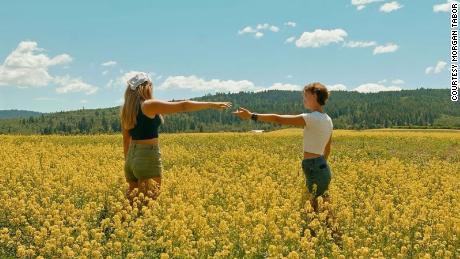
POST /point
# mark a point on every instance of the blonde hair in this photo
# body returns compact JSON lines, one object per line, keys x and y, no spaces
{"x":131,"y":106}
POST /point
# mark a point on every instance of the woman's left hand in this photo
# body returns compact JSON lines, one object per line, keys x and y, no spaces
{"x":243,"y":113}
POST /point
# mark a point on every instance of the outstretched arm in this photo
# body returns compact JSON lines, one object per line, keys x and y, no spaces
{"x":162,"y":107}
{"x":295,"y":120}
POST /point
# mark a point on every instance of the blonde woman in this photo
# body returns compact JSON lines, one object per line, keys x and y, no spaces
{"x":317,"y":136}
{"x":140,"y":120}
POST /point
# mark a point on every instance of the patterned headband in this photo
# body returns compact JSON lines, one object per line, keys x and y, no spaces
{"x":138,"y":79}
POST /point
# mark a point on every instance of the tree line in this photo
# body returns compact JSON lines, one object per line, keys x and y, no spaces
{"x":420,"y":108}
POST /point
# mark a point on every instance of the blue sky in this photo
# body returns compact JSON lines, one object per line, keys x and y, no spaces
{"x":57,"y":55}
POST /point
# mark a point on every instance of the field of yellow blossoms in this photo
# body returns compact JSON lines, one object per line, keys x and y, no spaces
{"x":395,"y":194}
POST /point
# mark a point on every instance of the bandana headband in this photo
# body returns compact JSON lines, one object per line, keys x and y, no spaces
{"x":138,"y":79}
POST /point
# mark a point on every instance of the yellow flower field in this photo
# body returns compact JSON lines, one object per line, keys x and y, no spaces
{"x":395,"y":194}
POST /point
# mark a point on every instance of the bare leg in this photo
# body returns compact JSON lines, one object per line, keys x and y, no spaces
{"x":150,"y":187}
{"x":129,"y":192}
{"x":314,"y":204}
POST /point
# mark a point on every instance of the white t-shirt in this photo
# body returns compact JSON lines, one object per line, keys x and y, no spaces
{"x":316,"y":133}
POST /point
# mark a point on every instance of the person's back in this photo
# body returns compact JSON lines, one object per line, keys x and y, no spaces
{"x":317,"y":131}
{"x":146,"y":127}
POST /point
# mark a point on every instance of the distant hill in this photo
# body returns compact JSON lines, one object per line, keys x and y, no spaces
{"x":420,"y":108}
{"x":7,"y":114}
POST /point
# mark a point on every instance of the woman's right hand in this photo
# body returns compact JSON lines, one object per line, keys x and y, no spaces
{"x":221,"y":105}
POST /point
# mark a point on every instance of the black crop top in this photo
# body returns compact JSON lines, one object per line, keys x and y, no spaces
{"x":145,"y":128}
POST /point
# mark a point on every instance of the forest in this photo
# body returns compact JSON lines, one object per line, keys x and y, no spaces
{"x":420,"y":108}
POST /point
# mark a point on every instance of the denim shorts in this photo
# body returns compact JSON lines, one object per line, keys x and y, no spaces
{"x":318,"y":175}
{"x":142,"y":162}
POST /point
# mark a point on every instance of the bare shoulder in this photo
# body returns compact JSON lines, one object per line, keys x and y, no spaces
{"x":146,"y":108}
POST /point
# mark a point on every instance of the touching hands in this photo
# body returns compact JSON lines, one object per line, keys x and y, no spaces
{"x":221,"y":105}
{"x":243,"y":113}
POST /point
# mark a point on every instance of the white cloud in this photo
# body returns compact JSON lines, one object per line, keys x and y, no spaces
{"x":258,"y":35}
{"x":105,"y":72}
{"x":281,"y":86}
{"x":290,"y":24}
{"x":368,"y":87}
{"x":289,"y":40}
{"x":374,"y":88}
{"x":257,"y":31}
{"x":274,"y":29}
{"x":359,"y":44}
{"x":247,"y":29}
{"x":262,"y":26}
{"x":27,"y":55}
{"x":361,"y":4}
{"x":72,"y":85}
{"x":443,"y":7}
{"x":397,"y":82}
{"x":60,"y":59}
{"x":195,"y":83}
{"x":436,"y":69}
{"x":320,"y":38}
{"x":390,"y":7}
{"x":84,"y":101}
{"x":388,"y":48}
{"x":26,"y":66}
{"x":336,"y":87}
{"x":110,"y":63}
